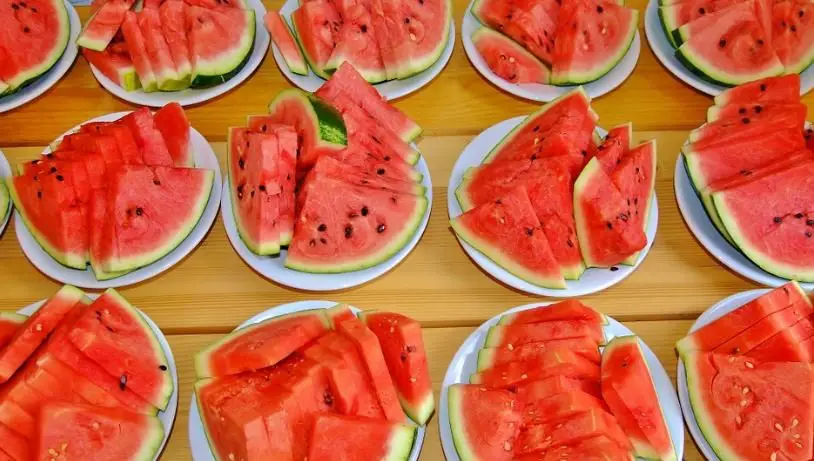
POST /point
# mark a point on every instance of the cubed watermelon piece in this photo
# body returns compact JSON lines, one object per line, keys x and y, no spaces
{"x":360,"y":438}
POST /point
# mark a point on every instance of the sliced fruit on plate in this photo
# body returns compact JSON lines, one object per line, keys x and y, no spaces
{"x":151,"y":143}
{"x":793,"y":34}
{"x":365,"y":226}
{"x":76,"y":383}
{"x":731,"y":324}
{"x":571,"y":309}
{"x":137,"y":49}
{"x":173,"y":26}
{"x":569,"y":430}
{"x":492,"y":356}
{"x":532,"y":25}
{"x":103,"y":25}
{"x":560,"y":362}
{"x":9,"y":324}
{"x":115,"y":63}
{"x":507,"y":231}
{"x":167,"y":76}
{"x":635,"y":177}
{"x":260,"y":345}
{"x":360,"y":438}
{"x":750,"y":410}
{"x":554,"y":385}
{"x":743,"y":11}
{"x":427,"y":30}
{"x":519,"y":334}
{"x":616,"y":144}
{"x":406,"y":358}
{"x":768,"y":119}
{"x":737,"y":111}
{"x":286,"y":43}
{"x":677,"y":14}
{"x":356,"y":45}
{"x":316,"y":24}
{"x":786,"y":346}
{"x":85,"y":432}
{"x":784,"y":89}
{"x":507,"y":59}
{"x":332,"y":168}
{"x":49,"y":388}
{"x":769,"y":225}
{"x":767,"y":327}
{"x":172,"y":123}
{"x":220,"y":43}
{"x":485,"y":422}
{"x":629,"y":391}
{"x":36,"y":329}
{"x":607,"y":234}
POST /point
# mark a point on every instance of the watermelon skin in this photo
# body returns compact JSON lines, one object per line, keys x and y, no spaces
{"x":782,"y":89}
{"x":137,"y":48}
{"x":360,"y":438}
{"x":626,"y":379}
{"x":36,"y":329}
{"x":217,"y":57}
{"x":507,"y":59}
{"x":115,"y":63}
{"x":286,"y":43}
{"x":250,"y":348}
{"x":635,"y":177}
{"x":9,"y":324}
{"x":406,"y":358}
{"x":484,"y":422}
{"x":777,"y":391}
{"x":96,"y":434}
{"x":793,"y":34}
{"x":172,"y":123}
{"x":103,"y":25}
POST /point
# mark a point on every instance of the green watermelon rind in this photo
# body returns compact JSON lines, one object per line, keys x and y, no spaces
{"x":420,"y":413}
{"x":325,"y":120}
{"x":802,"y":64}
{"x":461,"y":193}
{"x":90,"y":43}
{"x":456,"y":422}
{"x":147,"y":258}
{"x":631,"y":260}
{"x":419,"y":64}
{"x":707,"y":70}
{"x":764,"y":261}
{"x":73,"y":261}
{"x":584,"y":177}
{"x":668,"y":22}
{"x":152,"y":443}
{"x":699,"y":185}
{"x":401,"y":443}
{"x":308,"y":58}
{"x":486,"y":358}
{"x":228,"y":64}
{"x":397,"y":242}
{"x":12,"y":317}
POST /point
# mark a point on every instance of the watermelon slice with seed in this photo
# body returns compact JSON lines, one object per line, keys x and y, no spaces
{"x":793,"y":34}
{"x":778,"y":90}
{"x":767,"y":327}
{"x":115,"y":63}
{"x":137,"y":49}
{"x":571,"y":309}
{"x":615,"y":145}
{"x":519,"y":334}
{"x":485,"y":422}
{"x":356,"y":44}
{"x":360,"y":438}
{"x":492,"y":356}
{"x":507,"y":59}
{"x":220,"y":42}
{"x":104,"y":25}
{"x":561,"y":362}
{"x":635,"y":177}
{"x":570,"y":430}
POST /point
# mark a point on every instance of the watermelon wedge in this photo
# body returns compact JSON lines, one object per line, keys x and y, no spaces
{"x":148,"y":138}
{"x":485,"y":422}
{"x":615,"y":145}
{"x":115,"y":63}
{"x":507,"y":59}
{"x":635,"y":177}
{"x":767,"y":327}
{"x":103,"y":25}
{"x":359,"y":438}
{"x":569,"y":431}
{"x":783,"y":89}
{"x":137,"y":49}
{"x":356,"y":46}
{"x":793,"y":34}
{"x":766,"y":120}
{"x":530,"y":24}
{"x":172,"y":16}
{"x":158,"y":51}
{"x":288,"y":46}
{"x":315,"y":25}
{"x":220,"y":43}
{"x":736,"y":111}
{"x":172,"y":123}
{"x":677,"y":14}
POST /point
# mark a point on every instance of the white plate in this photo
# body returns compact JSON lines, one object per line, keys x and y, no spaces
{"x":702,"y":228}
{"x":465,"y":363}
{"x":593,"y":280}
{"x":50,"y":78}
{"x":5,"y":172}
{"x":198,"y":442}
{"x":723,"y":307}
{"x":392,"y":89}
{"x":666,"y":53}
{"x":167,"y":417}
{"x":273,"y":267}
{"x":191,"y":96}
{"x":204,"y":158}
{"x":538,"y":91}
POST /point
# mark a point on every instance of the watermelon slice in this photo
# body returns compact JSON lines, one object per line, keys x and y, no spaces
{"x":508,"y":232}
{"x":485,"y":422}
{"x":766,"y":120}
{"x":793,"y":34}
{"x":15,"y":447}
{"x":530,"y":24}
{"x":559,"y":362}
{"x":744,"y":11}
{"x":252,"y":348}
{"x":784,"y":89}
{"x":174,"y":127}
{"x":493,"y":356}
{"x":628,"y":389}
{"x":356,"y":45}
{"x":542,"y":356}
{"x":736,"y":111}
{"x":767,"y":327}
{"x":148,"y":138}
{"x":426,"y":24}
{"x":786,"y":346}
{"x":103,"y":25}
{"x":332,"y":168}
{"x":9,"y":324}
{"x":115,"y":63}
{"x":615,"y":145}
{"x":172,"y":16}
{"x":220,"y":43}
{"x":519,"y":334}
{"x":36,"y":329}
{"x":281,"y":34}
{"x":571,"y":309}
{"x":96,"y":433}
{"x":167,"y":76}
{"x":559,"y":406}
{"x":316,"y":24}
{"x":406,"y":358}
{"x":568,"y":431}
{"x":75,"y":383}
{"x":137,"y":49}
{"x":507,"y":59}
{"x":359,"y":438}
{"x":677,"y":14}
{"x":635,"y":177}
{"x":735,"y":398}
{"x":607,"y":233}
{"x":554,"y":385}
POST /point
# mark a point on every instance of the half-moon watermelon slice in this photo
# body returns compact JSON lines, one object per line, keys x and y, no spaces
{"x":220,"y":43}
{"x":793,"y":34}
{"x":507,"y":59}
{"x":635,"y":177}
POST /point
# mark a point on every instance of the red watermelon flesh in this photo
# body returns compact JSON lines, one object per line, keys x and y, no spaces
{"x":346,"y":80}
{"x":172,"y":15}
{"x":360,"y":438}
{"x":368,"y":158}
{"x":356,"y":44}
{"x":36,"y":329}
{"x":16,"y":390}
{"x":607,"y":233}
{"x":334,"y":169}
{"x":507,"y":231}
{"x":571,"y":309}
{"x":793,"y":34}
{"x":554,"y":385}
{"x":427,"y":30}
{"x":50,"y":387}
{"x":342,"y":379}
{"x":616,"y":144}
{"x":737,"y":111}
{"x":286,"y":43}
{"x":126,"y":143}
{"x":137,"y":49}
{"x":91,"y":142}
{"x":14,"y":445}
{"x":18,"y":420}
{"x":338,"y":314}
{"x":316,"y":24}
{"x":808,"y":134}
{"x":626,"y":379}
{"x":76,"y":383}
{"x":406,"y":358}
{"x":767,"y":120}
{"x":679,"y":13}
{"x":391,"y":36}
{"x":174,"y":127}
{"x":561,"y":362}
{"x":765,"y":329}
{"x":115,"y":63}
{"x":570,"y":430}
{"x":731,"y":324}
{"x":530,"y":24}
{"x":485,"y":422}
{"x":104,"y":25}
{"x":785,"y":346}
{"x":150,"y":142}
{"x":526,"y":352}
{"x":288,"y":143}
{"x":519,"y":334}
{"x":635,"y":177}
{"x":559,"y":406}
{"x":599,"y":448}
{"x":373,"y":357}
{"x":96,"y":433}
{"x":784,"y":89}
{"x":743,"y":11}
{"x":102,"y":240}
{"x":158,"y":51}
{"x":507,"y":59}
{"x":9,"y":324}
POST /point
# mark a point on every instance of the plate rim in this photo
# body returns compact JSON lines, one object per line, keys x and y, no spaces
{"x":5,"y":172}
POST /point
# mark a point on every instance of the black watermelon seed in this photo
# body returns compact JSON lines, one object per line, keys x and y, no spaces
{"x":585,"y":153}
{"x":312,"y":243}
{"x":758,"y":109}
{"x":609,"y":224}
{"x":288,"y":177}
{"x":529,"y":231}
{"x":499,"y":202}
{"x":60,"y":178}
{"x":36,"y":178}
{"x":348,"y":231}
{"x":53,"y":169}
{"x":569,"y":243}
{"x":800,"y":13}
{"x":375,"y":139}
{"x":241,"y":164}
{"x":763,"y":87}
{"x":14,"y":6}
{"x":34,"y":10}
{"x":123,"y":382}
{"x":364,"y":181}
{"x":808,"y":234}
{"x":26,"y":29}
{"x":262,"y":188}
{"x":380,"y":171}
{"x":614,"y":268}
{"x":381,"y":228}
{"x":798,"y":215}
{"x":636,"y":200}
{"x":386,"y":158}
{"x":760,"y":42}
{"x":252,"y":194}
{"x":322,"y":228}
{"x":742,"y":110}
{"x":406,"y":20}
{"x":623,"y":217}
{"x":364,"y":28}
{"x":39,"y":194}
{"x":793,"y":28}
{"x":746,"y":172}
{"x":393,"y":199}
{"x":533,"y":157}
{"x":778,"y":219}
{"x":810,"y":222}
{"x":599,"y":9}
{"x":156,"y":182}
{"x":536,"y":128}
{"x":702,"y":10}
{"x":139,"y":211}
{"x":162,"y":367}
{"x":745,"y":120}
{"x":322,"y":240}
{"x":364,"y":211}
{"x":722,"y":43}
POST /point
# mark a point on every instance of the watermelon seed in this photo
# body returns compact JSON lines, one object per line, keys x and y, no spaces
{"x":702,"y":11}
{"x":14,"y":6}
{"x":793,"y":28}
{"x":381,"y":228}
{"x":599,"y":9}
{"x":745,"y":172}
{"x":364,"y":28}
{"x":352,"y":215}
{"x":614,"y":269}
{"x":808,"y":234}
{"x":252,"y":194}
{"x":610,"y":226}
{"x":760,"y":42}
{"x":262,"y":188}
{"x":584,"y":153}
{"x":778,"y":219}
{"x":364,"y":211}
{"x":312,"y":243}
{"x":763,"y":87}
{"x":810,"y":222}
{"x":529,"y":231}
{"x":722,"y":43}
{"x":348,"y":231}
{"x":403,"y":356}
{"x":241,"y":164}
{"x":623,"y":217}
{"x":123,"y":382}
{"x":156,"y":182}
{"x":53,"y":169}
{"x":36,"y":178}
{"x":60,"y":178}
{"x":33,"y":10}
{"x":322,"y":240}
{"x":380,"y":171}
{"x":406,"y":20}
{"x":800,"y":13}
{"x":139,"y":211}
{"x":162,"y":367}
{"x":742,"y":110}
{"x":569,"y":243}
{"x":798,"y":215}
{"x":322,"y":227}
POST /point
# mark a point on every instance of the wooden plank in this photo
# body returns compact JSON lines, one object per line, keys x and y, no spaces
{"x":459,"y":101}
{"x":441,"y":343}
{"x":213,"y":289}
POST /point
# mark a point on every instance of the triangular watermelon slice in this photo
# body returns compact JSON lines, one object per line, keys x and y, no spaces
{"x":615,"y":145}
{"x":635,"y":177}
{"x":793,"y":34}
{"x":172,"y":15}
{"x":104,"y":25}
{"x":174,"y":127}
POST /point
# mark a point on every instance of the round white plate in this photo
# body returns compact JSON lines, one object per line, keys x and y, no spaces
{"x":198,"y":443}
{"x":392,"y":89}
{"x":204,"y":158}
{"x":50,"y":78}
{"x":465,"y":363}
{"x":593,"y":280}
{"x":273,"y":267}
{"x":5,"y":172}
{"x":723,"y":307}
{"x":167,"y":417}
{"x":192,"y":96}
{"x":538,"y":91}
{"x":702,"y":228}
{"x":666,"y":53}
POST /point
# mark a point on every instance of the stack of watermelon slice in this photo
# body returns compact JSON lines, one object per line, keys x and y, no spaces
{"x":752,"y":166}
{"x":751,"y":380}
{"x":81,"y":379}
{"x":543,"y":391}
{"x":551,"y":199}
{"x":328,"y":175}
{"x":737,"y":41}
{"x":562,"y":42}
{"x":315,"y":385}
{"x":33,"y":38}
{"x":382,"y":39}
{"x":169,"y":45}
{"x":119,"y":194}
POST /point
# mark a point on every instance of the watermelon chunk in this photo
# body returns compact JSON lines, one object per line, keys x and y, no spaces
{"x":220,"y":43}
{"x":359,"y":438}
{"x":559,"y":406}
{"x":115,"y":63}
{"x":9,"y":324}
{"x":316,"y":24}
{"x":571,"y":309}
{"x":36,"y":329}
{"x":260,"y":345}
{"x":786,"y":346}
{"x":148,"y":138}
{"x":485,"y":422}
{"x":334,"y":169}
{"x":519,"y":334}
{"x":103,"y":25}
{"x":172,"y":122}
{"x":406,"y":358}
{"x":172,"y":16}
{"x":675,"y":15}
{"x":615,"y":145}
{"x":530,"y":24}
{"x":281,"y":34}
{"x":137,"y":49}
{"x":507,"y":59}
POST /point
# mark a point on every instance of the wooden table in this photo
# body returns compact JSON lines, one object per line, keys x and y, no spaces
{"x":212,"y":290}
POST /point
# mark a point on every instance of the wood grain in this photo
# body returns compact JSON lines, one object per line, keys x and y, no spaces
{"x":441,"y":343}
